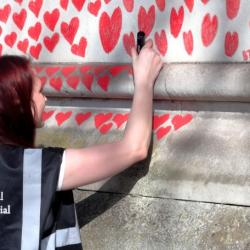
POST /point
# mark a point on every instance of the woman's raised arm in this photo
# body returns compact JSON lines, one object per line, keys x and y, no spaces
{"x":87,"y":165}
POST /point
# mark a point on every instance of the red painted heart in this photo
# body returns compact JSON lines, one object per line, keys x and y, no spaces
{"x":79,"y":49}
{"x":209,"y":29}
{"x":35,"y":50}
{"x":78,"y":4}
{"x":51,"y":42}
{"x":105,"y":128}
{"x":161,"y":4}
{"x":129,"y":5}
{"x":23,"y":45}
{"x":62,"y":117}
{"x":231,"y":43}
{"x":119,"y":119}
{"x":146,"y":20}
{"x":110,"y":29}
{"x":232,"y":7}
{"x":4,"y":13}
{"x":50,"y":19}
{"x":10,"y":39}
{"x":116,"y":70}
{"x":159,"y":120}
{"x":176,"y":21}
{"x":20,"y":18}
{"x":94,"y":8}
{"x":68,"y":70}
{"x":85,"y":68}
{"x":161,"y":42}
{"x":163,"y":131}
{"x":64,"y":4}
{"x":51,"y":70}
{"x":35,"y":6}
{"x":69,"y":30}
{"x":87,"y":80}
{"x":73,"y":82}
{"x":35,"y":31}
{"x":101,"y":118}
{"x":188,"y":41}
{"x":128,"y":42}
{"x":190,"y":4}
{"x":81,"y":117}
{"x":205,"y":1}
{"x":180,"y":120}
{"x":47,"y":115}
{"x":103,"y":82}
{"x":56,"y":83}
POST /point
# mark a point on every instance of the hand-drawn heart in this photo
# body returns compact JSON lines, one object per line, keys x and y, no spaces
{"x":43,"y":80}
{"x":50,"y":19}
{"x":78,"y":4}
{"x":20,"y":18}
{"x":129,"y":5}
{"x":232,"y":7}
{"x":19,"y":1}
{"x":23,"y":45}
{"x":158,"y":120}
{"x":107,"y":1}
{"x":161,"y":4}
{"x":163,"y":131}
{"x":128,"y":42}
{"x":81,"y":117}
{"x":190,"y":4}
{"x":161,"y":42}
{"x":244,"y":55}
{"x":209,"y":29}
{"x":4,"y":13}
{"x":231,"y":43}
{"x":117,"y":69}
{"x":47,"y":115}
{"x":67,"y":70}
{"x":176,"y":21}
{"x":87,"y":80}
{"x":64,"y":4}
{"x":99,"y":69}
{"x":146,"y":20}
{"x":79,"y":49}
{"x":35,"y":31}
{"x":105,"y":128}
{"x":205,"y":1}
{"x":110,"y":29}
{"x":119,"y":119}
{"x":56,"y":83}
{"x":188,"y":41}
{"x":73,"y":81}
{"x":69,"y":30}
{"x":10,"y":39}
{"x":180,"y":120}
{"x":61,"y":117}
{"x":38,"y":69}
{"x":94,"y":8}
{"x":101,"y":118}
{"x":85,"y":68}
{"x":35,"y":6}
{"x":51,"y":70}
{"x":35,"y":50}
{"x":103,"y":82}
{"x":51,"y":42}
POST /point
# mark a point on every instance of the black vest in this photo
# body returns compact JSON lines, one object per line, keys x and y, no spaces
{"x":33,"y":215}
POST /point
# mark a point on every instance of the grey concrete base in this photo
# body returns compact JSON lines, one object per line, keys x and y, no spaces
{"x":112,"y":221}
{"x":205,"y":160}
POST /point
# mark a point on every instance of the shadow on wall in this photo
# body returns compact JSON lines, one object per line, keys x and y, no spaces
{"x":96,"y":204}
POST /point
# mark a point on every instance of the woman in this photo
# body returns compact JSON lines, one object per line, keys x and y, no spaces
{"x":33,"y":213}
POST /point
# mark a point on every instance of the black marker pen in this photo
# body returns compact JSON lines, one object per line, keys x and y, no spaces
{"x":140,"y":41}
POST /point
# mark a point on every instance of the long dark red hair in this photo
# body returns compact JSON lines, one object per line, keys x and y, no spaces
{"x":17,"y":125}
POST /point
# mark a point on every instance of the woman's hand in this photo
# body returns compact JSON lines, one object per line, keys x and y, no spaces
{"x":146,"y":65}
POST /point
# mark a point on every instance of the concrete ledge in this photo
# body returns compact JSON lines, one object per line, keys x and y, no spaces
{"x":203,"y":82}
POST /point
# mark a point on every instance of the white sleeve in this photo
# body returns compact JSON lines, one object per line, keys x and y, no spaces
{"x":61,"y":174}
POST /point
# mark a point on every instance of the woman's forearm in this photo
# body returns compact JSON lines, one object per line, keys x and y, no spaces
{"x":139,"y":125}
